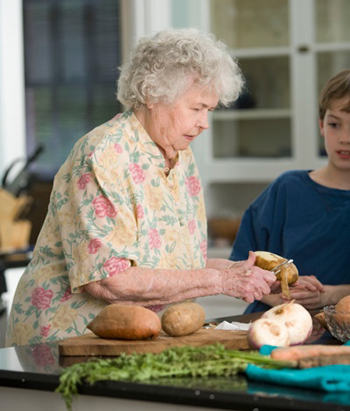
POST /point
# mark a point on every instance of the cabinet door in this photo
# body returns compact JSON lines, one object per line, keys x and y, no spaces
{"x":258,"y":124}
{"x":332,"y":42}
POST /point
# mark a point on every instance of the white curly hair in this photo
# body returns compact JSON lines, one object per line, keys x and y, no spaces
{"x":163,"y":66}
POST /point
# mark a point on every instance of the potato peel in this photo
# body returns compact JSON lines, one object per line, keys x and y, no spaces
{"x":284,"y":284}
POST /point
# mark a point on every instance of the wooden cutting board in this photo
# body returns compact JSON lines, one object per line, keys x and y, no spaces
{"x":91,"y":345}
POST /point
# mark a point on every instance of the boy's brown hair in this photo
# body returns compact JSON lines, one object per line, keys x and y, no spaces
{"x":336,"y":88}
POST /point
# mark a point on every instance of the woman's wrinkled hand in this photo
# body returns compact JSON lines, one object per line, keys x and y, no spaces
{"x":246,"y":281}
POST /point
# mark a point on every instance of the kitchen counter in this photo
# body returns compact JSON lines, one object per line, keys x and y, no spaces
{"x":30,"y":374}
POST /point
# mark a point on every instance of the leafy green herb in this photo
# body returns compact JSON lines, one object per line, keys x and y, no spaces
{"x":177,"y":362}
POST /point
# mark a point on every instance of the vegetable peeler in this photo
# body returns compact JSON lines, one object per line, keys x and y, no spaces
{"x":277,"y":269}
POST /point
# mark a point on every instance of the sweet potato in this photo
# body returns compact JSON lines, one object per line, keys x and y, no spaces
{"x":183,"y":319}
{"x":126,"y":322}
{"x":343,"y":305}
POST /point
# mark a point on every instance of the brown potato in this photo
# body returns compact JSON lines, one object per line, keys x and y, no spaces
{"x":288,"y":275}
{"x":126,"y":322}
{"x":343,"y":305}
{"x":183,"y":319}
{"x":342,"y":311}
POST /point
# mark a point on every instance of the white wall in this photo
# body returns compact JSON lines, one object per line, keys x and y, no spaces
{"x":142,"y":17}
{"x":12,"y":113}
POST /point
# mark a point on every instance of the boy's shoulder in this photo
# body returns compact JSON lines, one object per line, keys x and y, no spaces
{"x":288,"y":181}
{"x":291,"y":176}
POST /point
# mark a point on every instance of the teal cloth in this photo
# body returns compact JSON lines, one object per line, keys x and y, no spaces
{"x":266,"y":349}
{"x":329,"y":378}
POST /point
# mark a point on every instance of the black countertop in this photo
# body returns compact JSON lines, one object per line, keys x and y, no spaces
{"x":38,"y":367}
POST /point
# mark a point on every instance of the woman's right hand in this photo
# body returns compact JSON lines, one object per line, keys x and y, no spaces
{"x":246,"y":281}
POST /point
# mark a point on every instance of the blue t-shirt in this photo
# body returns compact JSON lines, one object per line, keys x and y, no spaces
{"x":297,"y":218}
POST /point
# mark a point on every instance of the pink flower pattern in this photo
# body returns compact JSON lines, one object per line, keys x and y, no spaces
{"x":138,"y":175}
{"x":118,"y":148}
{"x":192,"y":226}
{"x":193,"y":186}
{"x":44,"y":331}
{"x":204,"y":246}
{"x":83,"y":181}
{"x":116,"y":265}
{"x":41,"y":298}
{"x":139,"y":211}
{"x":103,"y":207}
{"x":42,"y":355}
{"x":154,"y":238}
{"x":94,"y":245}
{"x":67,"y":295}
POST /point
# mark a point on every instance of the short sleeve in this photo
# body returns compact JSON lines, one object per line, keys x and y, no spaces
{"x":99,"y":235}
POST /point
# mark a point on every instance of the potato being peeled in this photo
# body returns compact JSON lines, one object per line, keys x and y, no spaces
{"x":288,"y":274}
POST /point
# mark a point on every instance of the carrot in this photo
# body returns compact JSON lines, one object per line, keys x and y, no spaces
{"x":304,"y":351}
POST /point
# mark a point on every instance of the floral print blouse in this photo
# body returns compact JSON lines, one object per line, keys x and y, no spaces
{"x":112,"y":206}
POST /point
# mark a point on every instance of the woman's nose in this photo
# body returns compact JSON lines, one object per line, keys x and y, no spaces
{"x":203,"y":121}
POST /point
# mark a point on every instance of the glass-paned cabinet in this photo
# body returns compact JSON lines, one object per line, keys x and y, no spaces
{"x":258,"y":125}
{"x":332,"y":41}
{"x":287,"y":50}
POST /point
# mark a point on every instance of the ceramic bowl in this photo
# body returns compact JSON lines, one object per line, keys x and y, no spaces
{"x":338,"y":323}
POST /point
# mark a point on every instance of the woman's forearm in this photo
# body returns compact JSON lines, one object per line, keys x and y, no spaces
{"x":218,"y":263}
{"x":146,"y":286}
{"x":154,"y":287}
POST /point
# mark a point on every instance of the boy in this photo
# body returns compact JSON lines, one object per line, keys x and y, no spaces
{"x":305,"y":214}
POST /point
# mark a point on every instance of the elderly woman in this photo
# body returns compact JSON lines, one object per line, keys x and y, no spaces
{"x":126,"y":222}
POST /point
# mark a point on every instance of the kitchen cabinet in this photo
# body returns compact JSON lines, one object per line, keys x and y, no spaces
{"x":287,"y":50}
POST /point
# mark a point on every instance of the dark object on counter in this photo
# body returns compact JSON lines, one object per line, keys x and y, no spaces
{"x":22,"y":182}
{"x":2,"y":308}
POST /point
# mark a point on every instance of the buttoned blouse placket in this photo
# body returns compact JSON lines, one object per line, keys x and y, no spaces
{"x":170,"y":182}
